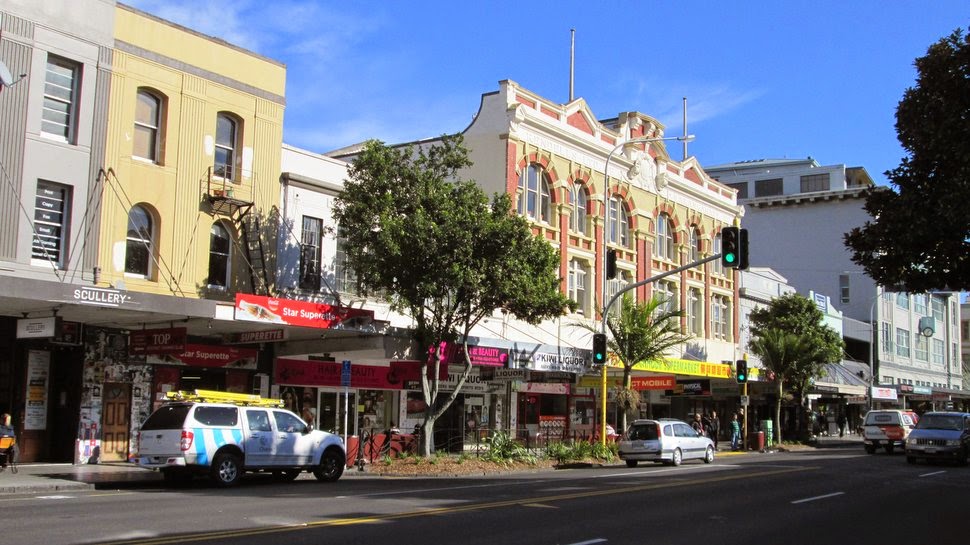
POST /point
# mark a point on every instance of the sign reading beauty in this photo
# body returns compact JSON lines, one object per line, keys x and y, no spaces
{"x":259,"y":308}
{"x":327,"y":373}
{"x":487,"y":356}
{"x":157,"y":341}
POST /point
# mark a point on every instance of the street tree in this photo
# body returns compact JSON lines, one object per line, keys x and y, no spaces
{"x":441,"y":252}
{"x":919,"y":235}
{"x":793,"y":344}
{"x":640,"y":332}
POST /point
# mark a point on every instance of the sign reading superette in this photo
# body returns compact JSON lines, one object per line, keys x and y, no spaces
{"x":259,"y":308}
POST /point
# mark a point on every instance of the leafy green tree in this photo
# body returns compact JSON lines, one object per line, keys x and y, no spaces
{"x":442,"y":253}
{"x":792,"y":342}
{"x":640,"y":332}
{"x":919,"y":236}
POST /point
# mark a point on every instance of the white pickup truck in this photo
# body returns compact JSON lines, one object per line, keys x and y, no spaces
{"x":224,"y":440}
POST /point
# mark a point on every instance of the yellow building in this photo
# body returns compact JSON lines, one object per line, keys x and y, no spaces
{"x":192,"y":162}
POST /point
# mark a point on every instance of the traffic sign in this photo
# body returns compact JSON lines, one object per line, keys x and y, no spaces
{"x":345,"y":373}
{"x":745,"y":400}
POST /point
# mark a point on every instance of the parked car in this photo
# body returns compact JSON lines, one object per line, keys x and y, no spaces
{"x":887,"y":428}
{"x":940,"y":436}
{"x":666,"y":440}
{"x":223,"y":435}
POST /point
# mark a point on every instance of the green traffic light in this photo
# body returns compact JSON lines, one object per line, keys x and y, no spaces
{"x":729,"y":258}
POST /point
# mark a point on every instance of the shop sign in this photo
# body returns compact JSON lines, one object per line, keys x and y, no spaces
{"x":328,"y":373}
{"x":653,"y":383}
{"x":204,"y":355}
{"x":259,"y":308}
{"x":685,"y":367}
{"x":691,"y":388}
{"x":250,"y":337}
{"x":485,"y":356}
{"x":822,"y":389}
{"x":904,"y":388}
{"x":504,"y":375}
{"x":545,"y":388}
{"x":103,"y":297}
{"x":473,"y":384}
{"x":568,"y":360}
{"x":879,"y":392}
{"x":157,"y":341}
{"x":922,"y":390}
{"x":406,"y":371}
{"x":38,"y":376}
{"x":38,"y":328}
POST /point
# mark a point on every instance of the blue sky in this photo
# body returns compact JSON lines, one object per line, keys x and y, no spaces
{"x":763,"y":79}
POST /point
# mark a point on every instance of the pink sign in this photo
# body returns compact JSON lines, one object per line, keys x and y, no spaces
{"x":327,"y":373}
{"x":486,"y":356}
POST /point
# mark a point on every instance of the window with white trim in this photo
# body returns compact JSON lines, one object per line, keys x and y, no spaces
{"x":311,"y":253}
{"x":578,"y":285}
{"x":148,"y":122}
{"x":695,"y":244}
{"x":139,"y":249}
{"x":619,"y":223}
{"x":667,"y":291}
{"x":345,"y":279}
{"x":902,"y":342}
{"x":902,"y":300}
{"x":226,"y":146}
{"x":886,"y":338}
{"x":720,"y":318}
{"x":663,"y":247}
{"x":59,"y":118}
{"x":919,"y":304}
{"x":578,"y":219}
{"x":534,"y":197}
{"x":937,"y":304}
{"x":921,"y":348}
{"x":220,"y":256}
{"x":939,"y":348}
{"x":695,"y":312}
{"x":716,"y":266}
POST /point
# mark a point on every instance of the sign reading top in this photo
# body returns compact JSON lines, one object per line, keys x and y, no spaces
{"x":259,"y":308}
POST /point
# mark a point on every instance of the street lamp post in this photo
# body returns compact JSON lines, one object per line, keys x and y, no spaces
{"x":603,"y":248}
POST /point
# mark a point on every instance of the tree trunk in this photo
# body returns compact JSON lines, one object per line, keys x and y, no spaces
{"x":626,"y":386}
{"x":426,"y":441}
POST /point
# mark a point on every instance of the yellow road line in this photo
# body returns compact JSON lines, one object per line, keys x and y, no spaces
{"x":705,"y":479}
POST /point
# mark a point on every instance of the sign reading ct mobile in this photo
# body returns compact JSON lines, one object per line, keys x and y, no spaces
{"x":259,"y":308}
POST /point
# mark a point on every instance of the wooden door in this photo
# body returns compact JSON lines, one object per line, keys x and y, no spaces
{"x":116,"y":407}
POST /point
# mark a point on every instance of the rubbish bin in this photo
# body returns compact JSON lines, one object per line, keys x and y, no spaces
{"x":756,"y":440}
{"x":768,"y":427}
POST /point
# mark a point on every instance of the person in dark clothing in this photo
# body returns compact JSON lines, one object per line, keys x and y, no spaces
{"x":714,"y":428}
{"x":698,"y":425}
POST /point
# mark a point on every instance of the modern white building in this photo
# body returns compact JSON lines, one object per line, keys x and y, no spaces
{"x":797,"y":213}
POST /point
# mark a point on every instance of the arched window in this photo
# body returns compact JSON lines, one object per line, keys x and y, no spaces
{"x":578,"y":219}
{"x":140,"y":242}
{"x":148,"y":122}
{"x":534,"y":201}
{"x":220,"y":254}
{"x":578,"y":285}
{"x":663,"y":248}
{"x":227,"y":130}
{"x":619,"y":223}
{"x":695,"y":244}
{"x":716,"y":265}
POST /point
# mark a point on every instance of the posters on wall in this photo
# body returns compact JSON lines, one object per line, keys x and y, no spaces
{"x":38,"y":375}
{"x":302,"y":401}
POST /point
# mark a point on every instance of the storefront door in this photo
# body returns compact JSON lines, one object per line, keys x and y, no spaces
{"x":114,"y":421}
{"x":331,"y":412}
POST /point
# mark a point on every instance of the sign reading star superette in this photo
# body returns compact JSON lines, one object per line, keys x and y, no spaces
{"x":259,"y":308}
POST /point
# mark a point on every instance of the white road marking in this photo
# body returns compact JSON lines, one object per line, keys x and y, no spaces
{"x":818,"y":497}
{"x":55,"y":497}
{"x":933,"y":473}
{"x":590,"y":542}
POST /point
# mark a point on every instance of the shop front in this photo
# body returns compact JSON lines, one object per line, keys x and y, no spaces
{"x":546,"y":408}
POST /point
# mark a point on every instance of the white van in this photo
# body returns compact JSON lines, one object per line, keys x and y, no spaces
{"x":224,"y":435}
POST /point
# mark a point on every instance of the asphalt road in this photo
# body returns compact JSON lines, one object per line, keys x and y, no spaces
{"x":817,"y":497}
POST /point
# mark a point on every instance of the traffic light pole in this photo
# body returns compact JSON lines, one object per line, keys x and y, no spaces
{"x":606,"y":309}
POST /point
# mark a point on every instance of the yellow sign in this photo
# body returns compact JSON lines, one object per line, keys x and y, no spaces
{"x":682,"y":367}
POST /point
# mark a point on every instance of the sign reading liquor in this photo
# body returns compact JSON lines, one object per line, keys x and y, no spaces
{"x":157,"y":341}
{"x":259,"y":308}
{"x":567,"y":360}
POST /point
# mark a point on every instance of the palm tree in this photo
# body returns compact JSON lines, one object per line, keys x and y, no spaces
{"x":781,"y":353}
{"x":640,"y":332}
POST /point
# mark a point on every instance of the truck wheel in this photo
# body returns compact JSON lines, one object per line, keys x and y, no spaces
{"x":226,"y":469}
{"x":331,"y":466}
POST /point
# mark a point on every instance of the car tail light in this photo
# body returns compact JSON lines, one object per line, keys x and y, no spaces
{"x":186,"y":442}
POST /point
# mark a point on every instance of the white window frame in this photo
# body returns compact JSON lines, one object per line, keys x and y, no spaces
{"x":535,"y":201}
{"x":619,"y":223}
{"x":695,"y":311}
{"x":663,"y":247}
{"x":578,"y":283}
{"x":138,"y":235}
{"x":151,"y":128}
{"x":225,"y":166}
{"x":223,"y":255}
{"x":902,"y":342}
{"x":578,"y":219}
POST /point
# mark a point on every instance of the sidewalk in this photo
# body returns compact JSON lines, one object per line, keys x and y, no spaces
{"x":38,"y":478}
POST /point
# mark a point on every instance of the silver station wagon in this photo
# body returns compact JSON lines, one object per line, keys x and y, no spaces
{"x":665,"y":440}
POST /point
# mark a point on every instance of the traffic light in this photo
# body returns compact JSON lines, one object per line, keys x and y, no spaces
{"x":730,"y":247}
{"x":743,"y":249}
{"x":599,"y":348}
{"x":741,"y":371}
{"x":611,"y":264}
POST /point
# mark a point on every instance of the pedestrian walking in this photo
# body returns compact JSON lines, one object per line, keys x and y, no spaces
{"x":714,"y":429}
{"x":735,"y":432}
{"x":842,"y":422}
